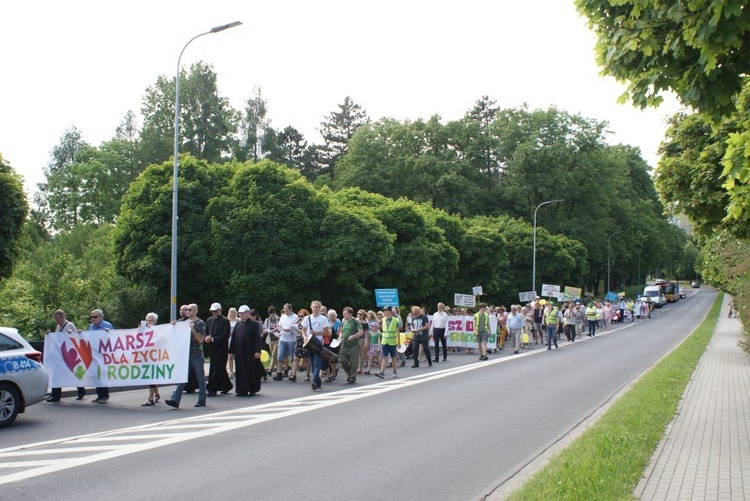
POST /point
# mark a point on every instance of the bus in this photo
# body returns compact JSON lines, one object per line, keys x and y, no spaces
{"x":669,"y":289}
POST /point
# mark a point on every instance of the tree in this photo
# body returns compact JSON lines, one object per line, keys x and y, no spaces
{"x":207,"y":121}
{"x":483,"y":255}
{"x":73,"y":271}
{"x":560,"y":260}
{"x":417,"y":160}
{"x":696,"y":49}
{"x":255,"y":233}
{"x":157,"y":131}
{"x":689,"y":173}
{"x":736,"y":163}
{"x":290,"y":148}
{"x":337,"y":129}
{"x":699,"y":51}
{"x":483,"y":146}
{"x":87,"y":189}
{"x":127,"y":148}
{"x":60,"y":196}
{"x":13,"y":211}
{"x":254,"y":127}
{"x":142,"y":237}
{"x":423,"y":263}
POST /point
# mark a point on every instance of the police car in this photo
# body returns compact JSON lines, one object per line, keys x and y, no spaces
{"x":23,"y":378}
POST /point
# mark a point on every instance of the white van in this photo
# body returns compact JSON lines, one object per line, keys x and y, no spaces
{"x":654,"y":293}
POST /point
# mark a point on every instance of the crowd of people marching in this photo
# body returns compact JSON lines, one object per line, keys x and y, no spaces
{"x":246,"y":348}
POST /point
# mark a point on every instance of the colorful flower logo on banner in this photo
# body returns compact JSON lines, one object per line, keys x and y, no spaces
{"x":78,"y":358}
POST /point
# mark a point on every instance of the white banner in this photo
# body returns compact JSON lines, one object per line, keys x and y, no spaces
{"x":120,"y":357}
{"x":526,"y":297}
{"x":460,"y":332}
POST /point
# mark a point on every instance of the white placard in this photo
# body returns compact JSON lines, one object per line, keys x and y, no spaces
{"x":549,"y":290}
{"x":467,"y":300}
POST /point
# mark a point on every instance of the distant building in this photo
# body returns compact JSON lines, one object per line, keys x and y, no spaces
{"x":682,"y":221}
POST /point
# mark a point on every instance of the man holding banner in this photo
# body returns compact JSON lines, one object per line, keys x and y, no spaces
{"x":62,"y":324}
{"x":197,"y":336}
{"x":97,"y":324}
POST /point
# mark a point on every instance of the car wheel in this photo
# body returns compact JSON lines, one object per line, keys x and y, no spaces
{"x":10,"y":404}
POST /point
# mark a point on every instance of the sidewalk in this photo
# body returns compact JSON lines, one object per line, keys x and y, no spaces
{"x":705,"y":452}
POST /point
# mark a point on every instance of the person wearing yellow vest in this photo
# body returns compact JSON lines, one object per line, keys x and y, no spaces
{"x":482,"y":330}
{"x":389,"y":342}
{"x":591,"y":318}
{"x":550,"y":320}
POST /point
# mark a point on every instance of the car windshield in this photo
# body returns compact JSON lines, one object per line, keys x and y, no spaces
{"x":7,"y":343}
{"x":652,"y":293}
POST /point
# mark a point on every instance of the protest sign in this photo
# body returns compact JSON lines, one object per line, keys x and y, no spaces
{"x":118,"y":357}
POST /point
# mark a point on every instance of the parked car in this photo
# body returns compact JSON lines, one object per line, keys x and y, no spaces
{"x":23,"y":378}
{"x":681,"y":292}
{"x":695,"y":285}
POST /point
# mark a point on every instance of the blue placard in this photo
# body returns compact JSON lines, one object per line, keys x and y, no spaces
{"x":611,"y":296}
{"x":386,"y":297}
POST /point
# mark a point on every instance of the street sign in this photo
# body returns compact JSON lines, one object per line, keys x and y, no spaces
{"x":467,"y":300}
{"x":550,"y":290}
{"x":526,"y":297}
{"x":386,"y":297}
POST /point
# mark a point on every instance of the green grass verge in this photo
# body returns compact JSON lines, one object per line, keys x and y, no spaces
{"x":608,"y":460}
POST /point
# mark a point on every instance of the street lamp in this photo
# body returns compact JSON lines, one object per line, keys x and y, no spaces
{"x":173,"y":288}
{"x":533,"y":262}
{"x":609,"y":241}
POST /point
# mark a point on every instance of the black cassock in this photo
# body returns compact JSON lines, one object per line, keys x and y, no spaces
{"x":218,"y":379}
{"x":245,"y":343}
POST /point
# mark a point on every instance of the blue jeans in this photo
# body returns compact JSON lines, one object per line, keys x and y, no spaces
{"x":196,"y":363}
{"x":592,"y":328}
{"x":551,"y":335}
{"x":315,"y":362}
{"x":286,"y":349}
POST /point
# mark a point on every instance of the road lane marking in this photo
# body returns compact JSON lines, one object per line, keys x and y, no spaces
{"x":152,"y":436}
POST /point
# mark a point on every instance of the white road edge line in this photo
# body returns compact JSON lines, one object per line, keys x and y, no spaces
{"x":309,"y":403}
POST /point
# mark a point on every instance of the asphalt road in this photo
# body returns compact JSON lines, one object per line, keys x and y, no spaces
{"x":452,"y":432}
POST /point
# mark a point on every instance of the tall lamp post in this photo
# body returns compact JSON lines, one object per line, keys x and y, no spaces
{"x":533,"y":261}
{"x":609,"y":241}
{"x":173,"y":288}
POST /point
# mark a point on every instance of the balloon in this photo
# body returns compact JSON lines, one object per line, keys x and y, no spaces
{"x":265,"y":358}
{"x":402,"y":338}
{"x":543,"y":302}
{"x":525,"y":338}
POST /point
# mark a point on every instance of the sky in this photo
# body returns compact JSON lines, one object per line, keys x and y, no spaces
{"x":86,"y":63}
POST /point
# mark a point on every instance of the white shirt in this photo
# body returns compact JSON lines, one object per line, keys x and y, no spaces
{"x":286,"y":322}
{"x":439,"y":320}
{"x":315,"y":324}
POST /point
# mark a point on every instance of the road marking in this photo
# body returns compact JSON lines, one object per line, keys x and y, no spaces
{"x":141,"y":438}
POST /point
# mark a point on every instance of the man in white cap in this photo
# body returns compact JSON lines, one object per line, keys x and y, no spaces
{"x":217,"y":341}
